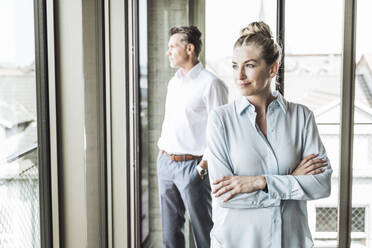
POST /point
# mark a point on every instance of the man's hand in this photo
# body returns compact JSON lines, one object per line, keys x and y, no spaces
{"x":310,"y":165}
{"x":234,"y":185}
{"x":203,"y":164}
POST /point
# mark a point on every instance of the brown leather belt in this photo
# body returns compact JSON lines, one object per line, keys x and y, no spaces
{"x":185,"y":157}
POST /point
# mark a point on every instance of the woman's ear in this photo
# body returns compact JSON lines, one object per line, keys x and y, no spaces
{"x":274,"y":69}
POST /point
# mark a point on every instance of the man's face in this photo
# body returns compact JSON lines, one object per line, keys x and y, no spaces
{"x":177,"y":52}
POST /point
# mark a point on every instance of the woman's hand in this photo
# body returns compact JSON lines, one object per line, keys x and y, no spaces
{"x":310,"y":165}
{"x":238,"y":184}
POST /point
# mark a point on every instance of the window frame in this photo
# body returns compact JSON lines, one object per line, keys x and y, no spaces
{"x":347,"y":124}
{"x":43,"y":125}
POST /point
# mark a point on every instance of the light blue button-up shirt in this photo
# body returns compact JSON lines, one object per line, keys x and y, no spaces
{"x":236,"y":146}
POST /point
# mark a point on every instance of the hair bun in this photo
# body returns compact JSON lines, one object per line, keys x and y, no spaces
{"x":260,"y":28}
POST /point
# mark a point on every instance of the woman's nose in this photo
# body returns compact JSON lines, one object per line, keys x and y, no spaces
{"x":242,"y":74}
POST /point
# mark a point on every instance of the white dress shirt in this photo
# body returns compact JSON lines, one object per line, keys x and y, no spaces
{"x":190,"y":98}
{"x":236,"y":146}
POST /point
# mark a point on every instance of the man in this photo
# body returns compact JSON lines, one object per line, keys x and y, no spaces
{"x":182,"y":171}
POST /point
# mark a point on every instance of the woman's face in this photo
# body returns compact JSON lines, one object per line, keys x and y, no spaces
{"x":251,"y":73}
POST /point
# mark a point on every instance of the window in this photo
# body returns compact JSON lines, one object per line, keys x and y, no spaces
{"x":19,"y":177}
{"x":25,"y":199}
{"x":313,"y":76}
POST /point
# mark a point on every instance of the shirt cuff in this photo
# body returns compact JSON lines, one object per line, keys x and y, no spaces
{"x":279,"y":187}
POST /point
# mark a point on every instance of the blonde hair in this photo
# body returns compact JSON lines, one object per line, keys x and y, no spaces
{"x":259,"y":34}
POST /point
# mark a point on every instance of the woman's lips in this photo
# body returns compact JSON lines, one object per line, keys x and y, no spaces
{"x":243,"y":85}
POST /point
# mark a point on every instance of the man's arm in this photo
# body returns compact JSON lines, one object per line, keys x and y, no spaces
{"x":215,"y":96}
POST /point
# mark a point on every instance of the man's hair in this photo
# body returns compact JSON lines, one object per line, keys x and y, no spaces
{"x":190,"y":34}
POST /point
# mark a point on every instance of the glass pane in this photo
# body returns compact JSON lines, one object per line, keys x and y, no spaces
{"x":19,"y":182}
{"x":155,"y":74}
{"x":361,"y":235}
{"x":221,"y":33}
{"x":312,"y":77}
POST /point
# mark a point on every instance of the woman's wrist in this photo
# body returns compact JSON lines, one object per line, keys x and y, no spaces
{"x":260,"y":183}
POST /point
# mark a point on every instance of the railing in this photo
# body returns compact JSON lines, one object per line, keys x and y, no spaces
{"x":19,"y":200}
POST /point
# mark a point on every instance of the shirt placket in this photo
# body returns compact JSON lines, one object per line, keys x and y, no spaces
{"x":276,"y":225}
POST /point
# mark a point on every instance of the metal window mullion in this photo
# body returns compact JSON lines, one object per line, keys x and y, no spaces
{"x":42,"y":99}
{"x":128,"y":105}
{"x":280,"y":28}
{"x":134,"y":124}
{"x":107,"y":106}
{"x":101,"y":78}
{"x":117,"y":103}
{"x":347,"y":126}
{"x":137,"y":123}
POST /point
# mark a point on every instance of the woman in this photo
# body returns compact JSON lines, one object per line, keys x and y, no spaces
{"x":265,"y":157}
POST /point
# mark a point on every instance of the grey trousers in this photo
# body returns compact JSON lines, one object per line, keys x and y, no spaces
{"x":180,"y":188}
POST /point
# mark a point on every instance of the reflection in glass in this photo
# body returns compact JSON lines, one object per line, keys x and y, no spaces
{"x":161,"y":16}
{"x":19,"y":182}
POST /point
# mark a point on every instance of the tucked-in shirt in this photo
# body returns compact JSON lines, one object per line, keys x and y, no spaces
{"x":190,"y":99}
{"x":236,"y":146}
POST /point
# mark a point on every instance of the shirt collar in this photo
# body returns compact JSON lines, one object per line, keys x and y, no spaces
{"x":243,"y":103}
{"x":280,"y":99}
{"x":193,"y":73}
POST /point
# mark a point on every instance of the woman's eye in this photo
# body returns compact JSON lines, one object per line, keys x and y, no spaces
{"x":234,"y":67}
{"x":249,"y":65}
